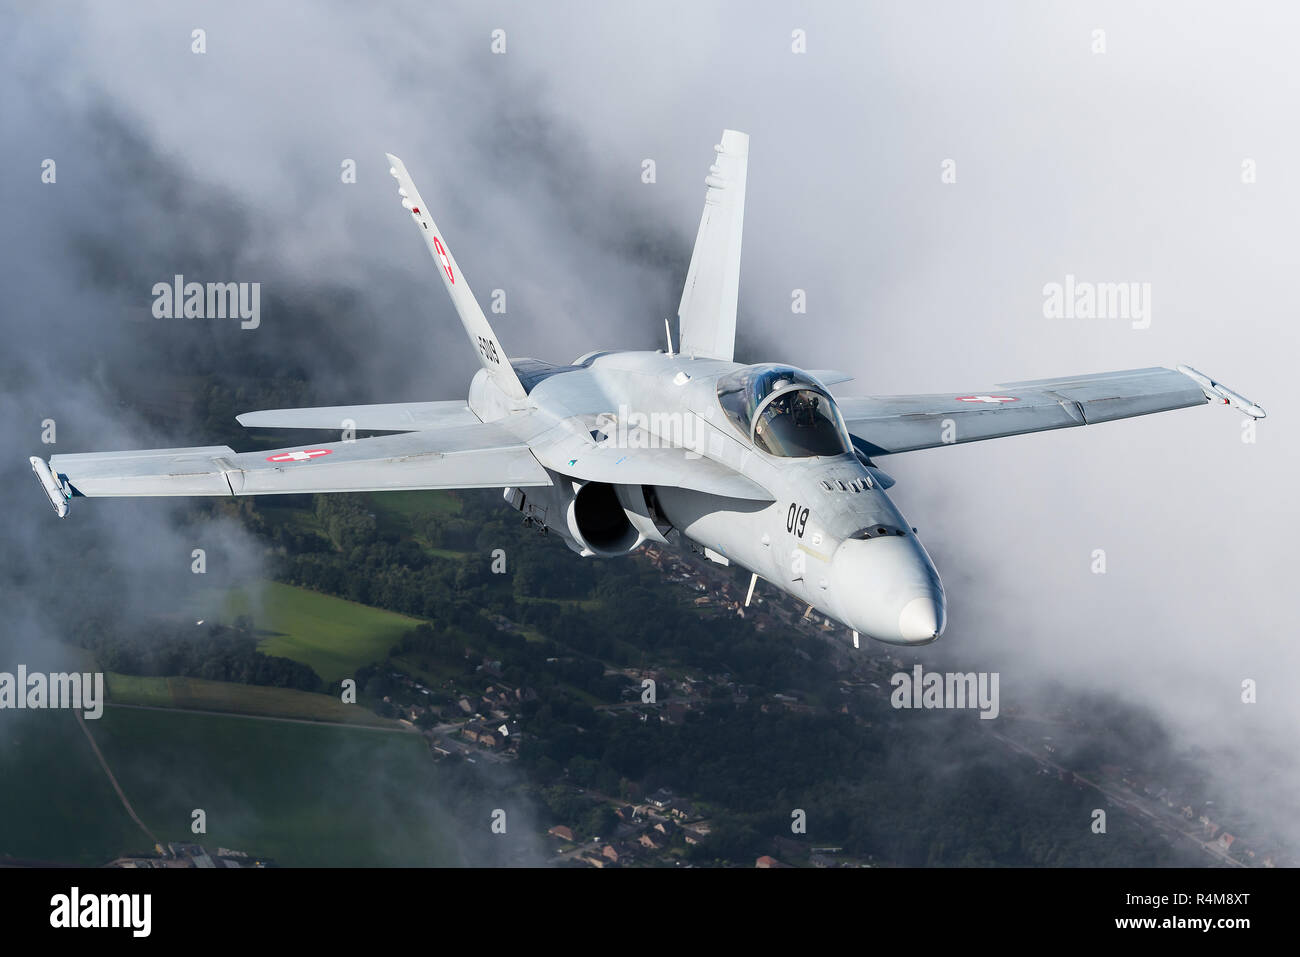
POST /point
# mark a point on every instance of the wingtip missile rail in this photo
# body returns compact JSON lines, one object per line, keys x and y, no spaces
{"x":55,"y":490}
{"x":1217,"y":391}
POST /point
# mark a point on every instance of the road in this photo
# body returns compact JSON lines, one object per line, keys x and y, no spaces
{"x":103,"y":763}
{"x":1165,"y":822}
{"x":400,"y":729}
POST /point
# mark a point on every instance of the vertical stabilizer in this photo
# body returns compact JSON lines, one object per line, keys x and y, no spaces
{"x":481,"y":337}
{"x":707,"y":313}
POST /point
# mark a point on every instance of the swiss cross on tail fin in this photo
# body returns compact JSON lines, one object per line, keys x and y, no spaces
{"x":446,"y":263}
{"x":486,"y":345}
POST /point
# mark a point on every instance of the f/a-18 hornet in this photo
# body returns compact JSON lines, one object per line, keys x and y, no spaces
{"x":762,"y":465}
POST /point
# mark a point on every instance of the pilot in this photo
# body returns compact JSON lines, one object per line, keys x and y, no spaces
{"x":804,"y":409}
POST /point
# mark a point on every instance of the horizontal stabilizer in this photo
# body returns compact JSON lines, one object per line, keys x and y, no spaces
{"x":829,"y":377}
{"x":392,"y":417}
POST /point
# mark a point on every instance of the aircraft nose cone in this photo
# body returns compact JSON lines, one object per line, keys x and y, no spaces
{"x":921,"y":620}
{"x":887,"y":588}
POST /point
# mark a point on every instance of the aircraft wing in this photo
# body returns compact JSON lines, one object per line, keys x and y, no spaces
{"x":469,"y":456}
{"x":391,"y":417}
{"x":883,"y":425}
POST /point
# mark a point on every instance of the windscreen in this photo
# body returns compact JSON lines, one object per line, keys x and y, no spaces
{"x":783,"y":411}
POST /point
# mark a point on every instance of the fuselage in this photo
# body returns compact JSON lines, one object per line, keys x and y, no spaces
{"x":826,"y":532}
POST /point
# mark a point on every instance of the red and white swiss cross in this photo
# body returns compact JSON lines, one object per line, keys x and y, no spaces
{"x":298,"y":455}
{"x":446,"y":263}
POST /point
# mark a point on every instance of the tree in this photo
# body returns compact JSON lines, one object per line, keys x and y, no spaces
{"x":600,"y":821}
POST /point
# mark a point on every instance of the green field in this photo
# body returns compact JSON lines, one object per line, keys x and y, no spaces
{"x":304,"y":794}
{"x":202,"y":695}
{"x":404,"y":513}
{"x":333,"y":636}
{"x":412,"y":504}
{"x":447,"y":553}
{"x":139,"y":689}
{"x":56,"y":804}
{"x":305,"y":791}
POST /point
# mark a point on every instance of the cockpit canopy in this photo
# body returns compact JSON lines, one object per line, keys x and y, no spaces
{"x":783,"y":411}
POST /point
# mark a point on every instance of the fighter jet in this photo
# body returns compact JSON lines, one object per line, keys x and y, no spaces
{"x":762,"y":465}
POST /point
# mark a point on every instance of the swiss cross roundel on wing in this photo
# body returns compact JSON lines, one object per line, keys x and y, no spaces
{"x":991,"y":399}
{"x":299,"y":455}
